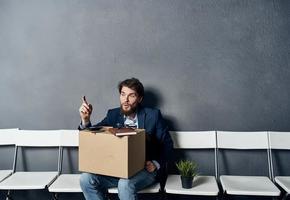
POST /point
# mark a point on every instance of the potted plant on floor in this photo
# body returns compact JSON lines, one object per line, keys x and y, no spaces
{"x":187,"y":170}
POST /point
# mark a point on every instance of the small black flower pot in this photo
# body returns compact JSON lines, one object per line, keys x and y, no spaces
{"x":186,"y":182}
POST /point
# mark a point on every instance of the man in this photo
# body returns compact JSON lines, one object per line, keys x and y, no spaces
{"x":158,"y":143}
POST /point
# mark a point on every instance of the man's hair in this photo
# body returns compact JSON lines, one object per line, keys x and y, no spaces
{"x":134,"y":84}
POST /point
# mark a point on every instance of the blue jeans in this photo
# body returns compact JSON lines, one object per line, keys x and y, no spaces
{"x":95,"y":186}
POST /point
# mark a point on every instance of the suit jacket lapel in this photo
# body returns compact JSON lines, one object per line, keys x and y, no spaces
{"x":141,"y":118}
{"x":121,"y":119}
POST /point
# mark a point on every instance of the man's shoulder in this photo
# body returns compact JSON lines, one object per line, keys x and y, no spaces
{"x":149,"y":110}
{"x":114,"y":110}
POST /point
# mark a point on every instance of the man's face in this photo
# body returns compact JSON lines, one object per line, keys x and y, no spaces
{"x":129,"y":100}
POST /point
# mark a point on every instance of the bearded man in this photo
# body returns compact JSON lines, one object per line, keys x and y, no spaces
{"x":158,"y":143}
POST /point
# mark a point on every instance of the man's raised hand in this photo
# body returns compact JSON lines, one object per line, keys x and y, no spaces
{"x":85,"y":111}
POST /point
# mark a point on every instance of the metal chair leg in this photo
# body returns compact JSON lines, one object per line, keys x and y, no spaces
{"x":285,"y":197}
{"x":54,"y":196}
{"x":224,"y":195}
{"x":8,"y":196}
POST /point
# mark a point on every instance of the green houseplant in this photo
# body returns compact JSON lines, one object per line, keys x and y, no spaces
{"x":187,"y":170}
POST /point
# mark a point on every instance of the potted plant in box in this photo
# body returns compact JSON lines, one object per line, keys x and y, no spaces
{"x":187,"y":170}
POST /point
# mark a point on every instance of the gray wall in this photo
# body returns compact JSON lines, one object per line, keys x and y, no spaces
{"x":208,"y":65}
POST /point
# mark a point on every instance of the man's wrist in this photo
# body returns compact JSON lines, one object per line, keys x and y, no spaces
{"x":157,"y":165}
{"x":85,"y":123}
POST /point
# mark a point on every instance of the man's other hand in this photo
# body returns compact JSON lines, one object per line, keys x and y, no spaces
{"x":150,"y":167}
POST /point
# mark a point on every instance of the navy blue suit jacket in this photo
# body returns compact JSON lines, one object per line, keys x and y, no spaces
{"x":159,"y":144}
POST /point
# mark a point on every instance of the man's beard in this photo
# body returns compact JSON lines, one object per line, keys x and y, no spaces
{"x":129,"y":112}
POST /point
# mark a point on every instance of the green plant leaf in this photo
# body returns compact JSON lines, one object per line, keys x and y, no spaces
{"x":187,"y":168}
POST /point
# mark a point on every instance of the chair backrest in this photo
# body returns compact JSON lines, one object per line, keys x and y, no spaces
{"x":196,"y":140}
{"x":242,"y":140}
{"x":279,"y":140}
{"x":69,"y":138}
{"x":39,"y":138}
{"x":8,"y":136}
{"x":193,"y":139}
{"x":257,"y":140}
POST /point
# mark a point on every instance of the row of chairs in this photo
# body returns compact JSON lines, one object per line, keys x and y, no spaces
{"x":265,"y":186}
{"x":36,"y":180}
{"x":56,"y":182}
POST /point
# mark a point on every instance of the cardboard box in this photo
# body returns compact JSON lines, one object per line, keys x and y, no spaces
{"x":106,"y":154}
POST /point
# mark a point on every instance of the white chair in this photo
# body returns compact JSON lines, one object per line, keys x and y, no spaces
{"x":32,"y":180}
{"x":7,"y":138}
{"x":202,"y":185}
{"x":246,"y":185}
{"x":66,"y":182}
{"x":280,"y":141}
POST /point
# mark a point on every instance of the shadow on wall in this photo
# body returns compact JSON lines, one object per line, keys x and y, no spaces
{"x":153,"y":99}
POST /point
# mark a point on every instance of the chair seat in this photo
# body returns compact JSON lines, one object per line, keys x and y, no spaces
{"x":249,"y":185}
{"x":28,"y":180}
{"x":151,"y":189}
{"x":202,"y":185}
{"x":66,"y":183}
{"x":284,"y":182}
{"x":4,"y":174}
